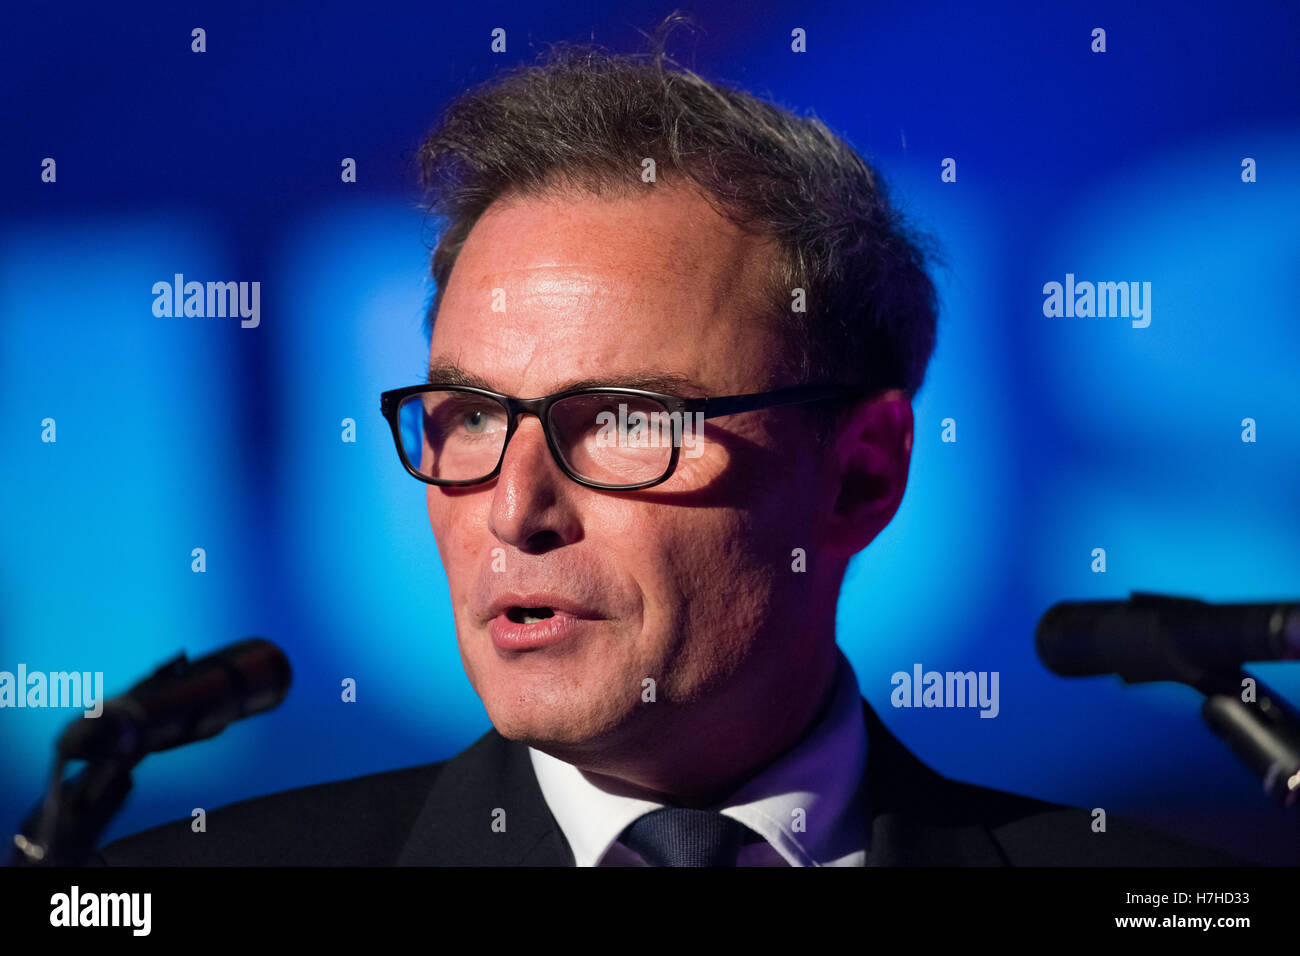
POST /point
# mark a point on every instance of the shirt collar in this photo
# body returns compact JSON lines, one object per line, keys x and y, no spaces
{"x":804,"y":804}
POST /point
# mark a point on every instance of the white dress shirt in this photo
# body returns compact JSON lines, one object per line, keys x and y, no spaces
{"x":805,"y":805}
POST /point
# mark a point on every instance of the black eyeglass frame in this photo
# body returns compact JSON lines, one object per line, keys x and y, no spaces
{"x":716,"y":407}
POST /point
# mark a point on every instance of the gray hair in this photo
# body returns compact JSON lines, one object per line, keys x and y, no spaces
{"x":583,"y":118}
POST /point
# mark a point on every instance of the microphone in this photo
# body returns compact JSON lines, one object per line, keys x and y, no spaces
{"x":1153,"y":637}
{"x":181,"y":702}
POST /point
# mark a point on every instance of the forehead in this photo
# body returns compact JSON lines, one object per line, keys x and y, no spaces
{"x":566,"y":287}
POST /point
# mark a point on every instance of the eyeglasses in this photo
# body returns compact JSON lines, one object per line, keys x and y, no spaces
{"x":612,"y":438}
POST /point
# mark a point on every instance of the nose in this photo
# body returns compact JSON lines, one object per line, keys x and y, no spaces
{"x":532,"y":507}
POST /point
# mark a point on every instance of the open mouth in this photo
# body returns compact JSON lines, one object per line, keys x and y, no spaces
{"x":529,"y":615}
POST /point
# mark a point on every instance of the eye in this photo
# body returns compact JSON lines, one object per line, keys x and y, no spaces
{"x":464,"y":418}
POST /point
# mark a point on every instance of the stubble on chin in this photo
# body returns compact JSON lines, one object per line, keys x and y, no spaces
{"x":549,"y":714}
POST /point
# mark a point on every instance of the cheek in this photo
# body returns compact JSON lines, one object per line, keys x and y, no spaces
{"x":705,"y":560}
{"x":731,"y":563}
{"x":457,"y":526}
{"x":438,"y":514}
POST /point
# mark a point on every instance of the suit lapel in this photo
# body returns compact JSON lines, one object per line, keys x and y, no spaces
{"x":915,"y":816}
{"x":490,"y":783}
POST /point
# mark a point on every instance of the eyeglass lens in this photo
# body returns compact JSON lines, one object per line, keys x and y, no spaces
{"x":605,"y":438}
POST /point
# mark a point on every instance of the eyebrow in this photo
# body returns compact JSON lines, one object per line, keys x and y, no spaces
{"x":446,"y":372}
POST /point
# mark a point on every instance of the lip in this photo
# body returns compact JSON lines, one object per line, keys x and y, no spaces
{"x":556,"y":602}
{"x":569,"y":619}
{"x":509,"y":636}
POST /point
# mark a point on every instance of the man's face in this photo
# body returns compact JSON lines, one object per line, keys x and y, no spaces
{"x":688,"y":583}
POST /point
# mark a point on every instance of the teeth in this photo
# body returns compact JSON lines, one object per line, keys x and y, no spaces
{"x":531,"y":615}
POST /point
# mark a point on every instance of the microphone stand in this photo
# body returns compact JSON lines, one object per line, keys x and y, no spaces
{"x":65,"y":828}
{"x":1264,"y":733}
{"x":180,"y":702}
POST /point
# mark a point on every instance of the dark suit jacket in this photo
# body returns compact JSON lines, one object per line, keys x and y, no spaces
{"x":441,"y":814}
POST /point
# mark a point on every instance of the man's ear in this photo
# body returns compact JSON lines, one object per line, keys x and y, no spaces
{"x":871,"y":457}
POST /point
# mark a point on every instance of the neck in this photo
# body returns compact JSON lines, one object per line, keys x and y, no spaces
{"x":698,"y":759}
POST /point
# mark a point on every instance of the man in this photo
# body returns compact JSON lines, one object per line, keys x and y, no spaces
{"x":645,"y":581}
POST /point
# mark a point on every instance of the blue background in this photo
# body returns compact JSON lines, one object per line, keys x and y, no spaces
{"x":176,"y":433}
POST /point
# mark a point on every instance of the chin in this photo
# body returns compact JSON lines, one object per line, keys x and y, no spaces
{"x":547,"y":718}
{"x":540,"y":726}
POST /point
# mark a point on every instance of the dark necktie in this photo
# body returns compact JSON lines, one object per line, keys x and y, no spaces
{"x":677,"y":836}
